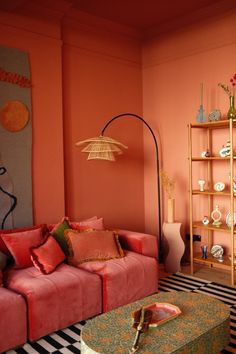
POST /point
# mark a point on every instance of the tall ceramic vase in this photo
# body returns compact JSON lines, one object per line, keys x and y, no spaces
{"x":232,"y":112}
{"x":170,"y":210}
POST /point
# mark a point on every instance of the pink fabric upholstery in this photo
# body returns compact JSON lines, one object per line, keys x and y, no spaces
{"x":126,"y":279}
{"x":137,"y":242}
{"x":13,"y":326}
{"x":56,"y":300}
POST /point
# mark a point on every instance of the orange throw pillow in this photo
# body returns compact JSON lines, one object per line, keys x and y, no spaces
{"x":47,"y":256}
{"x":92,"y":246}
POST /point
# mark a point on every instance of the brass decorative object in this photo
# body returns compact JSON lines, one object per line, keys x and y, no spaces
{"x":142,"y":319}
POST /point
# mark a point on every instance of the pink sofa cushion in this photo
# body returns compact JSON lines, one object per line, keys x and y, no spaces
{"x":19,"y":244}
{"x":56,"y":300}
{"x":47,"y":256}
{"x":13,"y":324}
{"x":96,"y":224}
{"x":126,"y":279}
{"x":138,"y":242}
{"x":94,"y":245}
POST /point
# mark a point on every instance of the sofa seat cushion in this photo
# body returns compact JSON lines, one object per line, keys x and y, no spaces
{"x":126,"y":279}
{"x":13,"y":320}
{"x":56,"y":300}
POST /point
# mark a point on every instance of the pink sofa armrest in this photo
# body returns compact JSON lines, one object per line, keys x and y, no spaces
{"x":138,"y":242}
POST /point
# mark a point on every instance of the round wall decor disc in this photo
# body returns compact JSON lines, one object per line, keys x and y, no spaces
{"x":14,"y":116}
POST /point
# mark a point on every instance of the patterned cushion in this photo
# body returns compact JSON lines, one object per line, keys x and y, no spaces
{"x":47,"y":256}
{"x":91,"y":246}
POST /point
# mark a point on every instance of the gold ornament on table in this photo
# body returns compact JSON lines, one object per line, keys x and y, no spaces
{"x":169,"y":187}
{"x":230,"y":90}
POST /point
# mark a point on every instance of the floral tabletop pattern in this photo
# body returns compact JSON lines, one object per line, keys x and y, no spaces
{"x":201,"y":328}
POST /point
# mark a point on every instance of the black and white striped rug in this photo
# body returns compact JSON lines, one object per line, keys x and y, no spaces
{"x":67,"y":341}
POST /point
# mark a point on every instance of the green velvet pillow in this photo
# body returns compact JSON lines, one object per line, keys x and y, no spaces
{"x":58,"y":234}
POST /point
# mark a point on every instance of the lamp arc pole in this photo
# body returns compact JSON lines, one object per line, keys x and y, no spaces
{"x":132,"y":115}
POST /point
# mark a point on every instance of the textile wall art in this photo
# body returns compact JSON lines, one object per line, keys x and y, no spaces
{"x":15,"y":139}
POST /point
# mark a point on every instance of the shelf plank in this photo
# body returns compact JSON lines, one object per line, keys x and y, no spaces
{"x":211,"y":192}
{"x":212,"y":261}
{"x":213,"y":125}
{"x":222,"y":228}
{"x":211,"y":158}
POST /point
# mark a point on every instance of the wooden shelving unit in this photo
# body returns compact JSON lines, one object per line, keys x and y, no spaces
{"x":229,"y":192}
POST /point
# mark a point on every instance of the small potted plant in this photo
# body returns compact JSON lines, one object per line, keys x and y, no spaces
{"x":169,"y":186}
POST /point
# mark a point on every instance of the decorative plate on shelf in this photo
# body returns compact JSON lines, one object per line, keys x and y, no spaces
{"x":161,"y":312}
{"x":217,"y":251}
{"x":214,"y":115}
{"x":219,"y":186}
{"x":229,"y":219}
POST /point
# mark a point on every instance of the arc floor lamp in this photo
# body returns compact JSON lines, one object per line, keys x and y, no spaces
{"x":105,"y":148}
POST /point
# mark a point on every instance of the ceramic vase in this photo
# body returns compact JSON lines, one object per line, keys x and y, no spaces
{"x":232,"y":112}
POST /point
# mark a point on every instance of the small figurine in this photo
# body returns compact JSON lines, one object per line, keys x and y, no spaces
{"x":216,"y":216}
{"x":225,"y":151}
{"x":205,"y":153}
{"x":201,"y":183}
{"x":205,"y":220}
{"x":204,"y":251}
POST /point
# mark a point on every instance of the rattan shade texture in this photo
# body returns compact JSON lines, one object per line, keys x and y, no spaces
{"x":101,"y":148}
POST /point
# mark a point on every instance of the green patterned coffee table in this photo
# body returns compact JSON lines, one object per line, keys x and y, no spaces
{"x":201,"y":328}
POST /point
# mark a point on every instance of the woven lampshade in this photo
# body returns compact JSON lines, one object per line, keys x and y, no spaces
{"x":102,"y":148}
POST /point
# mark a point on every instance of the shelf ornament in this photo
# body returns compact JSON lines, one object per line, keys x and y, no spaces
{"x":216,"y":216}
{"x":217,"y":251}
{"x":204,"y":251}
{"x":215,"y":115}
{"x":225,"y":151}
{"x":201,"y":118}
{"x":201,"y":183}
{"x":205,"y":220}
{"x":230,"y":91}
{"x":206,"y":153}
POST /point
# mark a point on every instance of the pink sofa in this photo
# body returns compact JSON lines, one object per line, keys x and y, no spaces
{"x":46,"y":303}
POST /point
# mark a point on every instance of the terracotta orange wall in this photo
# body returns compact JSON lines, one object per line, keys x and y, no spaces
{"x":42,"y":41}
{"x":102,"y":78}
{"x":84,"y":71}
{"x":174,"y":65}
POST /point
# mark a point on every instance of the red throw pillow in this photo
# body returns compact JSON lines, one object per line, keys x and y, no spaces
{"x":47,"y":256}
{"x":92,"y":246}
{"x":3,"y":247}
{"x":19,"y":244}
{"x":1,"y":284}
